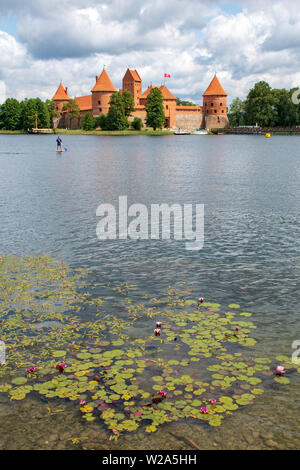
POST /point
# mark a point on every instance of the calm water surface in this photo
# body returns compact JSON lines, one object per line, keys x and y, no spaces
{"x":250,"y":188}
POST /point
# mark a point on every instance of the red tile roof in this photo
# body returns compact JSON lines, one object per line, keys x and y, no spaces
{"x":84,"y":102}
{"x":215,"y":88}
{"x":167,"y":95}
{"x":61,"y":94}
{"x":135,"y":75}
{"x":104,"y":83}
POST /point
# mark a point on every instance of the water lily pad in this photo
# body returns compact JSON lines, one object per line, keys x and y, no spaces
{"x":19,"y":380}
{"x":58,"y":353}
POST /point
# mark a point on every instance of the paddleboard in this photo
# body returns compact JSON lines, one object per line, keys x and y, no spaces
{"x":60,"y":151}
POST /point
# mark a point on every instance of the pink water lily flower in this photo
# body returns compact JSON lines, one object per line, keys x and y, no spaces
{"x":200,"y":300}
{"x":162,"y":393}
{"x":82,"y":402}
{"x":203,"y":410}
{"x":157,"y":332}
{"x":212,"y":400}
{"x":280,"y":370}
{"x":61,"y":367}
{"x":158,"y":324}
{"x":31,"y":370}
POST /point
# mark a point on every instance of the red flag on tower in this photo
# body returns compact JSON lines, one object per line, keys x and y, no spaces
{"x":167,"y":75}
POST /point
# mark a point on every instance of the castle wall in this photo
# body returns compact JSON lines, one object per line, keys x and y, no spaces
{"x":170,"y":112}
{"x":140,"y":113}
{"x":189,"y":120}
{"x":216,"y":122}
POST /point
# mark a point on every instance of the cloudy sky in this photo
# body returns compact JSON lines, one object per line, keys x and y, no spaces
{"x":43,"y":42}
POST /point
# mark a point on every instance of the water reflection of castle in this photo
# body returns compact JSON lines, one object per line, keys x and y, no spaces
{"x":213,"y":113}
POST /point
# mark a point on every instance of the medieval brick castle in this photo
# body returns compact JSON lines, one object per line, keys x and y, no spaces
{"x":213,"y":113}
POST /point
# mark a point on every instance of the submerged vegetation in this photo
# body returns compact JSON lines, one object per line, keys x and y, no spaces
{"x":64,"y":343}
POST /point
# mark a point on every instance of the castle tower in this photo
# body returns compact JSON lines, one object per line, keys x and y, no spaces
{"x":215,"y":105}
{"x":61,"y":96}
{"x":101,"y":94}
{"x":133,"y":83}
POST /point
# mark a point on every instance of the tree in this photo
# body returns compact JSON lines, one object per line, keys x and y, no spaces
{"x":72,"y":109}
{"x":100,"y":121}
{"x":260,"y":107}
{"x":296,"y":106}
{"x":128,"y":102}
{"x":88,"y":122}
{"x":116,"y":119}
{"x":285,"y":109}
{"x":137,"y":124}
{"x":10,"y":115}
{"x":28,"y":114}
{"x":51,"y":105}
{"x":180,"y":102}
{"x":236,"y":115}
{"x":155,"y":110}
{"x":43,"y":116}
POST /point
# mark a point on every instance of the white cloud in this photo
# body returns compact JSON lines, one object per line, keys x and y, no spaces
{"x":2,"y":91}
{"x":190,"y":39}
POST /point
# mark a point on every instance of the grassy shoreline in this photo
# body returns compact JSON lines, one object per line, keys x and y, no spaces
{"x":126,"y":132}
{"x":12,"y":132}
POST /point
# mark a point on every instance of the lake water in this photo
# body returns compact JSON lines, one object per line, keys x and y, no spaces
{"x":249,"y":186}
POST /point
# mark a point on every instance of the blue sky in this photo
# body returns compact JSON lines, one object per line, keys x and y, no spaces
{"x":8,"y":23}
{"x":230,"y":8}
{"x":243,"y":40}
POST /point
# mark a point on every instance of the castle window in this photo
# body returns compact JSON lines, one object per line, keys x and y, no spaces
{"x":221,"y":104}
{"x":100,"y":109}
{"x":211,"y":104}
{"x":167,"y":107}
{"x":215,"y":110}
{"x":222,"y":110}
{"x":99,"y":102}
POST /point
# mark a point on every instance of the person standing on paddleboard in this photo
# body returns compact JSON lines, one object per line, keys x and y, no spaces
{"x":59,"y":142}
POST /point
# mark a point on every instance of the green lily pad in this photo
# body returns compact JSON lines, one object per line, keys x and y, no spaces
{"x":19,"y":380}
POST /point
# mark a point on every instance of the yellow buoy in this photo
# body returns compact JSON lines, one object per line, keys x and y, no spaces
{"x":268,"y":136}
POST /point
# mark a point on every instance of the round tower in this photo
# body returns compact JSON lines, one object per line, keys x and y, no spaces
{"x":101,"y":94}
{"x":215,"y":106}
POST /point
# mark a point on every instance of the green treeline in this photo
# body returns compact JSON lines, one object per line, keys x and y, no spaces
{"x":263,"y":105}
{"x":180,"y":102}
{"x":266,"y":107}
{"x":24,"y":115}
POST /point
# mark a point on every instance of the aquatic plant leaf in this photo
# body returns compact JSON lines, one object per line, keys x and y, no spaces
{"x":19,"y":380}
